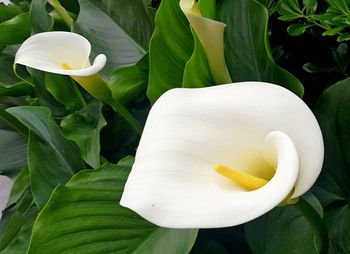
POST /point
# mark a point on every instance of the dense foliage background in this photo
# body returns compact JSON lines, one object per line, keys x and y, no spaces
{"x":53,"y":133}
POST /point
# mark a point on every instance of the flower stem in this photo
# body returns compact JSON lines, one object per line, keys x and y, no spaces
{"x":62,"y":12}
{"x":316,"y":223}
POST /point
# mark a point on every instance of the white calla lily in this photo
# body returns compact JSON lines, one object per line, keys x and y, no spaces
{"x":259,"y":129}
{"x":47,"y":51}
{"x":5,"y":190}
{"x":65,"y":53}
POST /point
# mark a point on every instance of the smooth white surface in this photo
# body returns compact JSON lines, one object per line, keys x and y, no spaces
{"x":46,"y":51}
{"x":247,"y":126}
{"x":5,"y":189}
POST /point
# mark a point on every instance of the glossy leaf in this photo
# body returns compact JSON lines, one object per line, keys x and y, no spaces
{"x":107,"y":35}
{"x":140,"y":27}
{"x":169,"y":51}
{"x":310,"y":6}
{"x":332,"y":111}
{"x":19,"y":186}
{"x":83,"y":127}
{"x":41,"y":21}
{"x":127,"y":82}
{"x":52,"y":159}
{"x":65,"y":90}
{"x":15,"y":30}
{"x":281,"y":229}
{"x":248,"y":54}
{"x":84,"y":217}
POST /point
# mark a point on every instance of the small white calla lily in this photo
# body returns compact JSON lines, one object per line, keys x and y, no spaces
{"x":259,"y":129}
{"x":5,"y":190}
{"x":65,"y":53}
{"x":49,"y":50}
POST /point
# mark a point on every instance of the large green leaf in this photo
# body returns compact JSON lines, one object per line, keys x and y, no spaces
{"x":333,"y":114}
{"x":338,"y":225}
{"x":284,"y":230}
{"x":52,"y":159}
{"x":15,"y":30}
{"x":84,"y":217}
{"x":109,"y":35}
{"x":171,"y":47}
{"x":247,"y":50}
{"x":83,"y":127}
{"x":132,"y":16}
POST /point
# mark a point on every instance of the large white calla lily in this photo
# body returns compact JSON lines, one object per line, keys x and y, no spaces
{"x":180,"y":177}
{"x":65,"y":53}
{"x":5,"y":189}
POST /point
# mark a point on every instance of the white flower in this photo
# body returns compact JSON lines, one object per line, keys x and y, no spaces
{"x":257,"y":128}
{"x":65,"y":53}
{"x":51,"y":51}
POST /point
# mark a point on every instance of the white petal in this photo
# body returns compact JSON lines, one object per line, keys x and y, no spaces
{"x":5,"y":189}
{"x":47,"y":51}
{"x":189,"y":131}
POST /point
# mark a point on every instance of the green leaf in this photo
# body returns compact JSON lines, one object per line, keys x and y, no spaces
{"x":44,"y":97}
{"x":338,"y":224}
{"x":310,"y":6}
{"x":13,"y":152}
{"x":297,"y":29}
{"x":281,"y":229}
{"x":84,"y":217}
{"x":20,"y":89}
{"x":52,"y":159}
{"x":108,"y":35}
{"x":15,"y":30}
{"x":332,"y":111}
{"x":83,"y":127}
{"x":20,"y":244}
{"x":8,"y":11}
{"x":333,"y":31}
{"x":65,"y":90}
{"x":121,"y":11}
{"x":290,"y":8}
{"x":247,"y":50}
{"x":7,"y":77}
{"x":17,"y":219}
{"x":344,"y":37}
{"x":41,"y":21}
{"x":171,"y":47}
{"x":19,"y":186}
{"x":127,"y":82}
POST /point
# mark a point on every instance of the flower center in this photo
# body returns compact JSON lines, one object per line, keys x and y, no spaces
{"x":249,"y":181}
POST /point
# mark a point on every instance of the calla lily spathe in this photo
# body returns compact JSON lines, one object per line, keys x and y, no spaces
{"x":65,"y":53}
{"x":47,"y":51}
{"x":257,"y":128}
